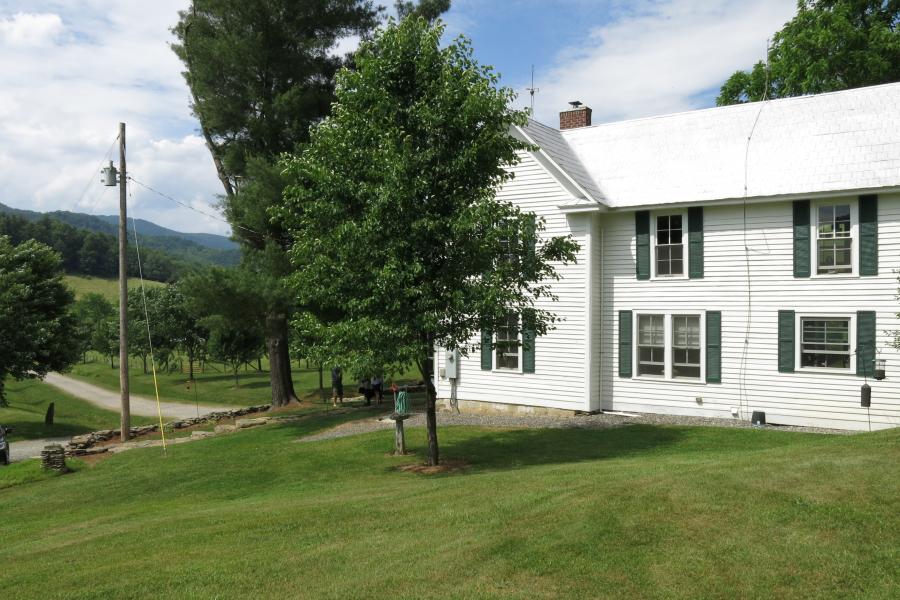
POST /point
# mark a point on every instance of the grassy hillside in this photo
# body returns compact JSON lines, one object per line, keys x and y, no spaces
{"x":28,"y":402}
{"x":109,"y":288}
{"x":635,"y":512}
{"x":215,"y":385}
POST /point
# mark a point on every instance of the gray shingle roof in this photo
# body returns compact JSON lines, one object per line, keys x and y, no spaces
{"x":552,"y":143}
{"x":828,"y":142}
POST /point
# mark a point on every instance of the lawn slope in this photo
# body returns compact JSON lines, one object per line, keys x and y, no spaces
{"x":28,"y":402}
{"x":635,"y":512}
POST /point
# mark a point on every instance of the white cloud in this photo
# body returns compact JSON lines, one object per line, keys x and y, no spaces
{"x":657,"y":57}
{"x":65,"y":88}
{"x":30,"y":29}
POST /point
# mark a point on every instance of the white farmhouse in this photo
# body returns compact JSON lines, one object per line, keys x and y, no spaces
{"x":732,"y":260}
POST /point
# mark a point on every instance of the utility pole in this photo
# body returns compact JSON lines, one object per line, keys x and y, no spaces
{"x":123,"y":292}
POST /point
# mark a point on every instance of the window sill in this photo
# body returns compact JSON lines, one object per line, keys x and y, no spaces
{"x":678,"y":380}
{"x":508,"y":371}
{"x":826,"y":371}
{"x":832,"y":276}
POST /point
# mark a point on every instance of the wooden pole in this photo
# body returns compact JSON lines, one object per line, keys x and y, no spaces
{"x":123,"y":292}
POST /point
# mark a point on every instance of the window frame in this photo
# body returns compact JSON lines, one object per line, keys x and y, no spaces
{"x":814,"y":236}
{"x":685,"y":250}
{"x":669,"y":345}
{"x":495,"y":363}
{"x":829,"y":316}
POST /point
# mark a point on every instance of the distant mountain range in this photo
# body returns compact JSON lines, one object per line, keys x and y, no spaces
{"x":204,"y":248}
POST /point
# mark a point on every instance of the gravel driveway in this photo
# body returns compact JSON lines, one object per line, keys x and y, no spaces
{"x":144,"y":407}
{"x":31,"y":448}
{"x":598,"y":421}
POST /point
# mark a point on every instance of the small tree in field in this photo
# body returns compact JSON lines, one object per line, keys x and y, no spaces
{"x":36,"y":327}
{"x":398,"y":237}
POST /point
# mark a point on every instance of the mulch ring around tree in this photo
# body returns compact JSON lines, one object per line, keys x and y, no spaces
{"x":446,"y":467}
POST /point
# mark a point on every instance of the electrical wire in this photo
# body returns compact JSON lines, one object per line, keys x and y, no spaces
{"x":742,"y":374}
{"x":188,"y":206}
{"x":137,"y":250}
{"x":93,"y":178}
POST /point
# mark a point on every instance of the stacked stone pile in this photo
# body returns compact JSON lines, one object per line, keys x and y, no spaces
{"x":53,"y":458}
{"x":82,"y":445}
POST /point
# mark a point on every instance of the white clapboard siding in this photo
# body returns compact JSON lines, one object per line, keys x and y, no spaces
{"x":561,"y":378}
{"x":750,"y":377}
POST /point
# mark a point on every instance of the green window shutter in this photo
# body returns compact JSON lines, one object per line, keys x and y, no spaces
{"x":642,"y":243}
{"x":625,"y":343}
{"x":865,"y":343}
{"x":868,"y":235}
{"x":528,"y":339}
{"x":487,"y":350}
{"x":713,"y":346}
{"x":695,"y":242}
{"x":801,"y":238}
{"x":786,"y":341}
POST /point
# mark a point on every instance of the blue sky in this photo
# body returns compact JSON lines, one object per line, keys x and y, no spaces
{"x":71,"y":70}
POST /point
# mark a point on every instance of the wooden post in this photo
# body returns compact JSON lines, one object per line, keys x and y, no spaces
{"x":399,"y":438}
{"x":123,"y":292}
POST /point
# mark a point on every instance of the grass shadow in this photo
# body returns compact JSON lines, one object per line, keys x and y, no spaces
{"x":518,"y":448}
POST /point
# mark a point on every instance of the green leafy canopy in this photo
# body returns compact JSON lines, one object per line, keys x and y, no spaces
{"x":829,"y":45}
{"x":398,"y":232}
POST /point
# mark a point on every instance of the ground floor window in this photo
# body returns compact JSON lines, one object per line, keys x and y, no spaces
{"x":825,"y":342}
{"x":669,"y":345}
{"x":506,"y":345}
{"x":651,"y":345}
{"x":686,"y":346}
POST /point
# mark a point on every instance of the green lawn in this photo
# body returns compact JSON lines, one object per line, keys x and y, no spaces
{"x":635,"y":512}
{"x":214,"y":386}
{"x":28,"y":401}
{"x":107,"y":287}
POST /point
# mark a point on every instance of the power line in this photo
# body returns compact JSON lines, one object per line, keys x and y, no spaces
{"x":188,"y":206}
{"x":93,"y":178}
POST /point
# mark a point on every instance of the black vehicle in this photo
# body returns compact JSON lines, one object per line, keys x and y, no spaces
{"x":4,"y":445}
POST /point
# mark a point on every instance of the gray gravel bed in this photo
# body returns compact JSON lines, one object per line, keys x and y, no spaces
{"x":587,"y":421}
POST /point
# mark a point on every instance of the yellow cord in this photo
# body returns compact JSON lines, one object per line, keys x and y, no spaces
{"x":137,"y":249}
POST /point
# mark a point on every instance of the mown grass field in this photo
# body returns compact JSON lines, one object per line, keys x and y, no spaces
{"x":635,"y":512}
{"x":215,"y":385}
{"x":109,"y":288}
{"x":28,"y":402}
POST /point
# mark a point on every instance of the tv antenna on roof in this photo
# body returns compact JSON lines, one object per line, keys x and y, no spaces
{"x":532,"y":90}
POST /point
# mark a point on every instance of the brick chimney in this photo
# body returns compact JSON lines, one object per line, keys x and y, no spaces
{"x":577,"y":116}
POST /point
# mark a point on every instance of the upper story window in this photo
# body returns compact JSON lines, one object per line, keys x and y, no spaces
{"x":825,"y":342}
{"x":834,"y":239}
{"x":669,"y":245}
{"x":506,"y":345}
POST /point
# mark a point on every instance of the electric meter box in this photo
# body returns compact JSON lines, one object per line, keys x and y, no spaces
{"x":451,"y":365}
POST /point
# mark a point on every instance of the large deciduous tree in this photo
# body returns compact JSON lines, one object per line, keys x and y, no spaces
{"x":37,"y":329}
{"x":260,"y":74}
{"x":829,"y":45}
{"x":398,"y":236}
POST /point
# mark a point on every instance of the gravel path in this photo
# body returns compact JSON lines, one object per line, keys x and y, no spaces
{"x":598,"y":421}
{"x":144,"y":407}
{"x":31,"y":448}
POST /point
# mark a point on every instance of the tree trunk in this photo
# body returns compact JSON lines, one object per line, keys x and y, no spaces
{"x":191,"y":364}
{"x":321,"y":385}
{"x":426,"y":366}
{"x":279,"y":360}
{"x":237,"y":370}
{"x":144,"y":359}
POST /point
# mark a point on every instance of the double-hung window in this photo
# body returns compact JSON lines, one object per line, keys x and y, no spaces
{"x":669,"y":345}
{"x":686,"y":346}
{"x":651,"y":345}
{"x":834,"y":239}
{"x":669,"y":254}
{"x":825,"y":342}
{"x":506,"y":344}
